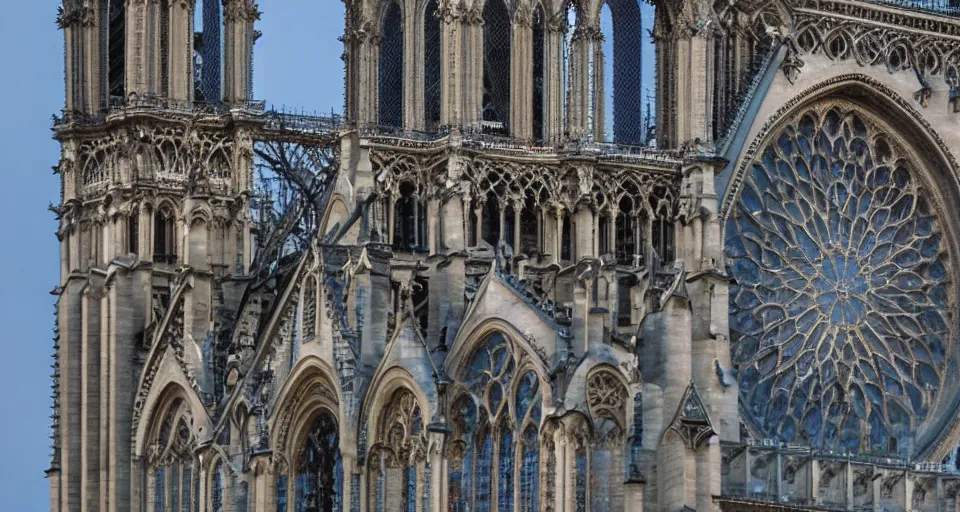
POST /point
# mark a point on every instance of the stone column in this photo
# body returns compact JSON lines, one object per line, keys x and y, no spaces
{"x":633,"y":491}
{"x":239,"y":17}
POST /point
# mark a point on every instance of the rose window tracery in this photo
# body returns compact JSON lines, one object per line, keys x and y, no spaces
{"x":839,"y":317}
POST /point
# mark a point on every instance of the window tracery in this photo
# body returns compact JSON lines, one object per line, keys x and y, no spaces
{"x":318,"y":479}
{"x":397,"y":459}
{"x":171,"y":463}
{"x":495,"y":449}
{"x":839,"y":319}
{"x":606,"y":455}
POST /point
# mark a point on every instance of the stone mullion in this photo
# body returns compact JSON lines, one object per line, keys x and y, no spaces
{"x":179,"y":51}
{"x":451,"y":48}
{"x":412,"y":79}
{"x":599,"y":94}
{"x":521,"y":88}
{"x":90,"y":48}
{"x":476,"y":82}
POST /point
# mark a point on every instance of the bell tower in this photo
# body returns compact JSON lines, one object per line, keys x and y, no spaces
{"x":154,"y":168}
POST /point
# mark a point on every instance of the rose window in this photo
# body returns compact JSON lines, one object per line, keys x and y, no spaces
{"x":839,"y":316}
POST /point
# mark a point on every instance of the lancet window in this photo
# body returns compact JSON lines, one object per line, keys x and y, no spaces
{"x":319,"y":468}
{"x":164,"y":236}
{"x":409,"y":219}
{"x":599,"y":456}
{"x":496,"y":66}
{"x":495,"y":451}
{"x":164,"y":47}
{"x":391,"y":66}
{"x":620,"y":69}
{"x":397,"y":460}
{"x":172,"y":468}
{"x":538,"y":74}
{"x":431,"y":66}
{"x":116,"y":51}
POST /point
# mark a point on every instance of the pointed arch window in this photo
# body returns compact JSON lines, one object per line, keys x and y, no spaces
{"x":116,"y":50}
{"x":496,"y":418}
{"x":171,"y":463}
{"x":604,"y":454}
{"x":391,"y":67}
{"x":619,"y":86}
{"x":539,"y":42}
{"x":164,"y":236}
{"x":496,"y":66}
{"x":398,"y":458}
{"x":164,"y":48}
{"x":409,"y":219}
{"x":431,"y":67}
{"x":318,"y":467}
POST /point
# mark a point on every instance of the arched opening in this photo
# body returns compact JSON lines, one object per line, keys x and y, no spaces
{"x":409,"y":220}
{"x":538,"y":74}
{"x":530,"y":229}
{"x":397,"y":463}
{"x":172,"y":469}
{"x":133,"y":232}
{"x":627,"y":231}
{"x":494,"y":448}
{"x":207,"y":57}
{"x":116,"y":50}
{"x":390,"y":67}
{"x":164,"y":236}
{"x":607,"y":402}
{"x":490,"y":220}
{"x":622,"y":72}
{"x":319,"y":467}
{"x":164,"y":61}
{"x":431,"y":67}
{"x":496,"y":67}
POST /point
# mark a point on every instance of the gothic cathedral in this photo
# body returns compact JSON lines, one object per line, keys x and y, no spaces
{"x":553,"y":256}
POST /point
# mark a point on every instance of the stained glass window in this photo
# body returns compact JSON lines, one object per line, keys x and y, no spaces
{"x":185,"y":489}
{"x":159,"y":490}
{"x":216,"y":495}
{"x":839,"y":316}
{"x":530,"y":471}
{"x":484,"y":477}
{"x":317,"y":467}
{"x":505,"y":477}
{"x":399,"y":451}
{"x":492,"y":454}
{"x":281,"y":493}
{"x":580,"y":481}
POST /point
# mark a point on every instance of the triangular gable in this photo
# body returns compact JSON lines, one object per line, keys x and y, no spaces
{"x":496,"y":301}
{"x":692,"y":420}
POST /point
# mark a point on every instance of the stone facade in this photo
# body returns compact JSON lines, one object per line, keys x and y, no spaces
{"x":497,"y":284}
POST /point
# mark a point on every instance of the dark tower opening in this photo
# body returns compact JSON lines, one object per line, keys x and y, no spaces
{"x":116,"y":49}
{"x":496,"y":66}
{"x":431,"y":67}
{"x":391,"y":67}
{"x":538,"y":78}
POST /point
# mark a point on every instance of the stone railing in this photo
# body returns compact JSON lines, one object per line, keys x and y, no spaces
{"x":948,"y":7}
{"x":793,"y":476}
{"x":140,"y":103}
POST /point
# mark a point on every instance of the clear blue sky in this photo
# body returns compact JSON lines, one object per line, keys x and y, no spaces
{"x":297,"y":64}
